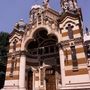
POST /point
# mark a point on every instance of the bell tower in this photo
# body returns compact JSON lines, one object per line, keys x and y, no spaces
{"x":71,"y":29}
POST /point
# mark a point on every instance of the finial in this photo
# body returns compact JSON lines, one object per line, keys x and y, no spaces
{"x":64,"y":5}
{"x":46,"y":3}
{"x":87,"y":32}
{"x":86,"y":29}
{"x":69,"y":5}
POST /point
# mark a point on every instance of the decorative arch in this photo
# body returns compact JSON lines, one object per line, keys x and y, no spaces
{"x":68,"y":18}
{"x":69,"y":22}
{"x":72,"y":23}
{"x":15,"y":38}
{"x":31,"y":37}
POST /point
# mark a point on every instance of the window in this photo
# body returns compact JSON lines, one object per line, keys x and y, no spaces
{"x":42,"y":76}
{"x":14,"y":45}
{"x":66,"y":54}
{"x":12,"y":67}
{"x":74,"y":58}
{"x":70,"y":31}
{"x":39,"y":18}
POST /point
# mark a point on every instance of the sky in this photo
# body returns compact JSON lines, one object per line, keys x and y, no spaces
{"x":11,"y":11}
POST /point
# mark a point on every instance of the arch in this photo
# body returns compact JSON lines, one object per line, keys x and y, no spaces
{"x":31,"y":37}
{"x":68,"y":18}
{"x":47,"y":50}
{"x":30,"y":80}
{"x":69,"y":22}
{"x":17,"y":38}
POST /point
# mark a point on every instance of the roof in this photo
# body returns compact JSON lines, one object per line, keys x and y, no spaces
{"x":64,"y":14}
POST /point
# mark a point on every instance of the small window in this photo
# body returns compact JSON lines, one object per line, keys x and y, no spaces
{"x":70,"y":31}
{"x":14,"y":45}
{"x":42,"y":76}
{"x":12,"y":67}
{"x":74,"y":57}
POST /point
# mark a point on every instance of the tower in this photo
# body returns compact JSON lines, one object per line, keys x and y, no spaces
{"x":71,"y":29}
{"x":69,"y":5}
{"x":48,"y":53}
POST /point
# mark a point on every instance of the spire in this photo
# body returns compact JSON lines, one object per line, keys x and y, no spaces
{"x":69,"y":5}
{"x":46,"y":3}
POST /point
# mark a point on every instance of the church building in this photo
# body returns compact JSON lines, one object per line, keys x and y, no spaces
{"x":48,"y":52}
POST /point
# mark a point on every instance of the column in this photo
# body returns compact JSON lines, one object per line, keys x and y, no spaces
{"x":33,"y":79}
{"x":62,"y":58}
{"x":22,"y":72}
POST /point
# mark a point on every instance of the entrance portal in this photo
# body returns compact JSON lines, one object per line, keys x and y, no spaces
{"x":30,"y":80}
{"x":50,"y":79}
{"x":43,"y":53}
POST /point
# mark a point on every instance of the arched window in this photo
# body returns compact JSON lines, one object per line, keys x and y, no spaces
{"x":14,"y":45}
{"x":74,"y":57}
{"x":39,"y":18}
{"x":13,"y":65}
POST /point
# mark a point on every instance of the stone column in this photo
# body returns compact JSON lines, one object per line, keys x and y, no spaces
{"x":33,"y":79}
{"x":22,"y":72}
{"x":62,"y":67}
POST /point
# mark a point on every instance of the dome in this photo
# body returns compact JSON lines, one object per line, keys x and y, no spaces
{"x":21,"y":22}
{"x":20,"y":25}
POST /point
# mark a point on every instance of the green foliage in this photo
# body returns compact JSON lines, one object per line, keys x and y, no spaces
{"x":4,"y":43}
{"x":4,"y":39}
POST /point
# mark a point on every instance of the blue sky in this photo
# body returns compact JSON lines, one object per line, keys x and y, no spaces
{"x":12,"y":11}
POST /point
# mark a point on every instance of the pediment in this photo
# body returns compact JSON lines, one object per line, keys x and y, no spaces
{"x":68,"y":15}
{"x":19,"y":33}
{"x":15,"y":34}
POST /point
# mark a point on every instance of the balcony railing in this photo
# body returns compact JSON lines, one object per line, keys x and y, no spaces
{"x":43,"y":52}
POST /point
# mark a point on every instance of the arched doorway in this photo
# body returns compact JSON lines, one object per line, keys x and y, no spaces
{"x":30,"y":80}
{"x":43,"y":50}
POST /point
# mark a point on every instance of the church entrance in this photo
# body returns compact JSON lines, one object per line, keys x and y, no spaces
{"x":30,"y":80}
{"x":50,"y":79}
{"x":43,"y":52}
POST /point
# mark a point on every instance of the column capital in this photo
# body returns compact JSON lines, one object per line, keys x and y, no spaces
{"x":23,"y":52}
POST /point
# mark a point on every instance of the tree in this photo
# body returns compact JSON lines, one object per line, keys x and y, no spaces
{"x":4,"y":43}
